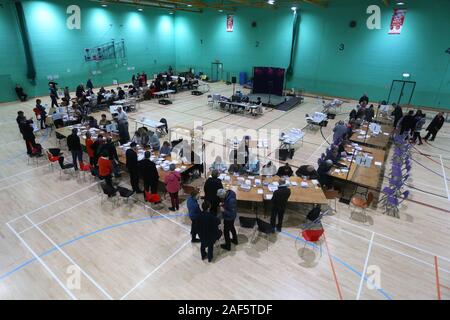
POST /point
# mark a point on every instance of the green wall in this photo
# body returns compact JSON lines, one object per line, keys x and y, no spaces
{"x":370,"y":61}
{"x":148,"y":35}
{"x":154,"y":40}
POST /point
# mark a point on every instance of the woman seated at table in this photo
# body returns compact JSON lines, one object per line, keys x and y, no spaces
{"x":154,"y":140}
{"x":92,"y":122}
{"x":218,"y":165}
{"x":104,"y":121}
{"x":165,"y":148}
{"x":269,"y":169}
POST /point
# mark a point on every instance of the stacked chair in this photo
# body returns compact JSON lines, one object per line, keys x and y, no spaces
{"x":395,"y":193}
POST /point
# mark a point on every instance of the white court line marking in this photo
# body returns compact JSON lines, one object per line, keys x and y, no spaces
{"x":156,"y":269}
{"x":363,"y":275}
{"x":69,"y":258}
{"x":42,"y":262}
{"x":390,"y":238}
{"x":171,"y":220}
{"x":60,"y":213}
{"x":385,"y":247}
{"x":26,"y":171}
{"x":319,"y":147}
{"x":445,"y":178}
{"x":53,"y":202}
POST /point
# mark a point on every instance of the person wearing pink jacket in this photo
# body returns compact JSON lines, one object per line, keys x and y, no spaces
{"x":173,"y":185}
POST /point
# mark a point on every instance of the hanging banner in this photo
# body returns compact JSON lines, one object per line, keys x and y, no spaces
{"x":229,"y":23}
{"x":398,"y":18}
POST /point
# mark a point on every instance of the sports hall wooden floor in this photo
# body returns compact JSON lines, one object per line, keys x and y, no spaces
{"x":48,"y":224}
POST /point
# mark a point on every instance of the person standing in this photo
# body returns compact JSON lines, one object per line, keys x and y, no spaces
{"x":397,"y":113}
{"x":194,"y":214}
{"x":211,"y":186}
{"x":122,"y":121}
{"x":279,"y":201}
{"x":420,"y":122}
{"x":89,"y":85}
{"x":105,"y":168}
{"x":53,"y":95}
{"x":208,"y":230}
{"x":173,"y":185}
{"x":149,"y":173}
{"x":26,"y":128}
{"x":434,"y":127}
{"x":74,"y":146}
{"x":132,"y":166}
{"x":407,"y":123}
{"x":113,"y":156}
{"x":340,"y":130}
{"x":79,"y":91}
{"x":229,"y":215}
{"x":89,"y":149}
{"x":40,"y":110}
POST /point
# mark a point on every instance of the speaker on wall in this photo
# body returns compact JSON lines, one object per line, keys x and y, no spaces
{"x":233,"y":79}
{"x":254,"y":24}
{"x":352,"y":24}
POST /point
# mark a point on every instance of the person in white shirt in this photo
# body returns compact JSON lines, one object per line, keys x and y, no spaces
{"x":122,"y":121}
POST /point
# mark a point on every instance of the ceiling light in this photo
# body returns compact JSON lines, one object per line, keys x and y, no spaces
{"x":140,"y":9}
{"x":406,"y":75}
{"x":220,"y":10}
{"x":400,"y":3}
{"x":170,"y":12}
{"x":271,"y":1}
{"x":293,"y":8}
{"x":104,"y":5}
{"x":189,"y":5}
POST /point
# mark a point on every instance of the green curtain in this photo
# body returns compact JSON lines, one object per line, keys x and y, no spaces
{"x":295,"y":32}
{"x":31,"y":71}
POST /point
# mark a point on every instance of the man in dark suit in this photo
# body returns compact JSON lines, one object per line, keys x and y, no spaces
{"x":20,"y":93}
{"x":434,"y":127}
{"x":132,"y":166}
{"x":148,"y":172}
{"x":211,"y":186}
{"x":307,"y":171}
{"x":208,"y":230}
{"x":279,"y":201}
{"x":74,"y":146}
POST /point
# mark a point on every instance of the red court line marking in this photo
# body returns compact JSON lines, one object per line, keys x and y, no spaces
{"x":438,"y":286}
{"x":332,"y":268}
{"x":448,"y":288}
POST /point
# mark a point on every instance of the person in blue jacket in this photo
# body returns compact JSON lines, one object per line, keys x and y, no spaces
{"x":194,"y":214}
{"x":228,"y":197}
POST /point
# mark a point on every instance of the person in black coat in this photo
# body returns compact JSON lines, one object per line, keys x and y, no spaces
{"x":97,"y":147}
{"x":110,"y":148}
{"x":307,"y":171}
{"x":211,"y":186}
{"x":20,"y":93}
{"x":397,"y":113}
{"x":132,"y":166}
{"x":285,"y":170}
{"x":407,"y":123}
{"x":26,"y":129}
{"x":208,"y":231}
{"x":322,"y":171}
{"x":364,"y":98}
{"x":279,"y":201}
{"x":148,"y":172}
{"x":74,"y":146}
{"x":434,"y":127}
{"x":79,"y":91}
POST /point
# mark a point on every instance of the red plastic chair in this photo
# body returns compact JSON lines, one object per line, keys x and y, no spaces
{"x":152,"y":198}
{"x":313,"y":236}
{"x":85,"y":168}
{"x":51,"y":158}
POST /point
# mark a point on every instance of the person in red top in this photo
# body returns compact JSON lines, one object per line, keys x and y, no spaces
{"x":105,"y":168}
{"x":89,"y":149}
{"x":173,"y":185}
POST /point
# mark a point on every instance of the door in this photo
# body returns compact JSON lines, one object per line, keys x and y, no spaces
{"x":401,"y":92}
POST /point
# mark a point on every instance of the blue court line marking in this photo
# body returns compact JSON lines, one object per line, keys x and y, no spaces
{"x":46,"y":253}
{"x":380,"y":290}
{"x":68,"y":242}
